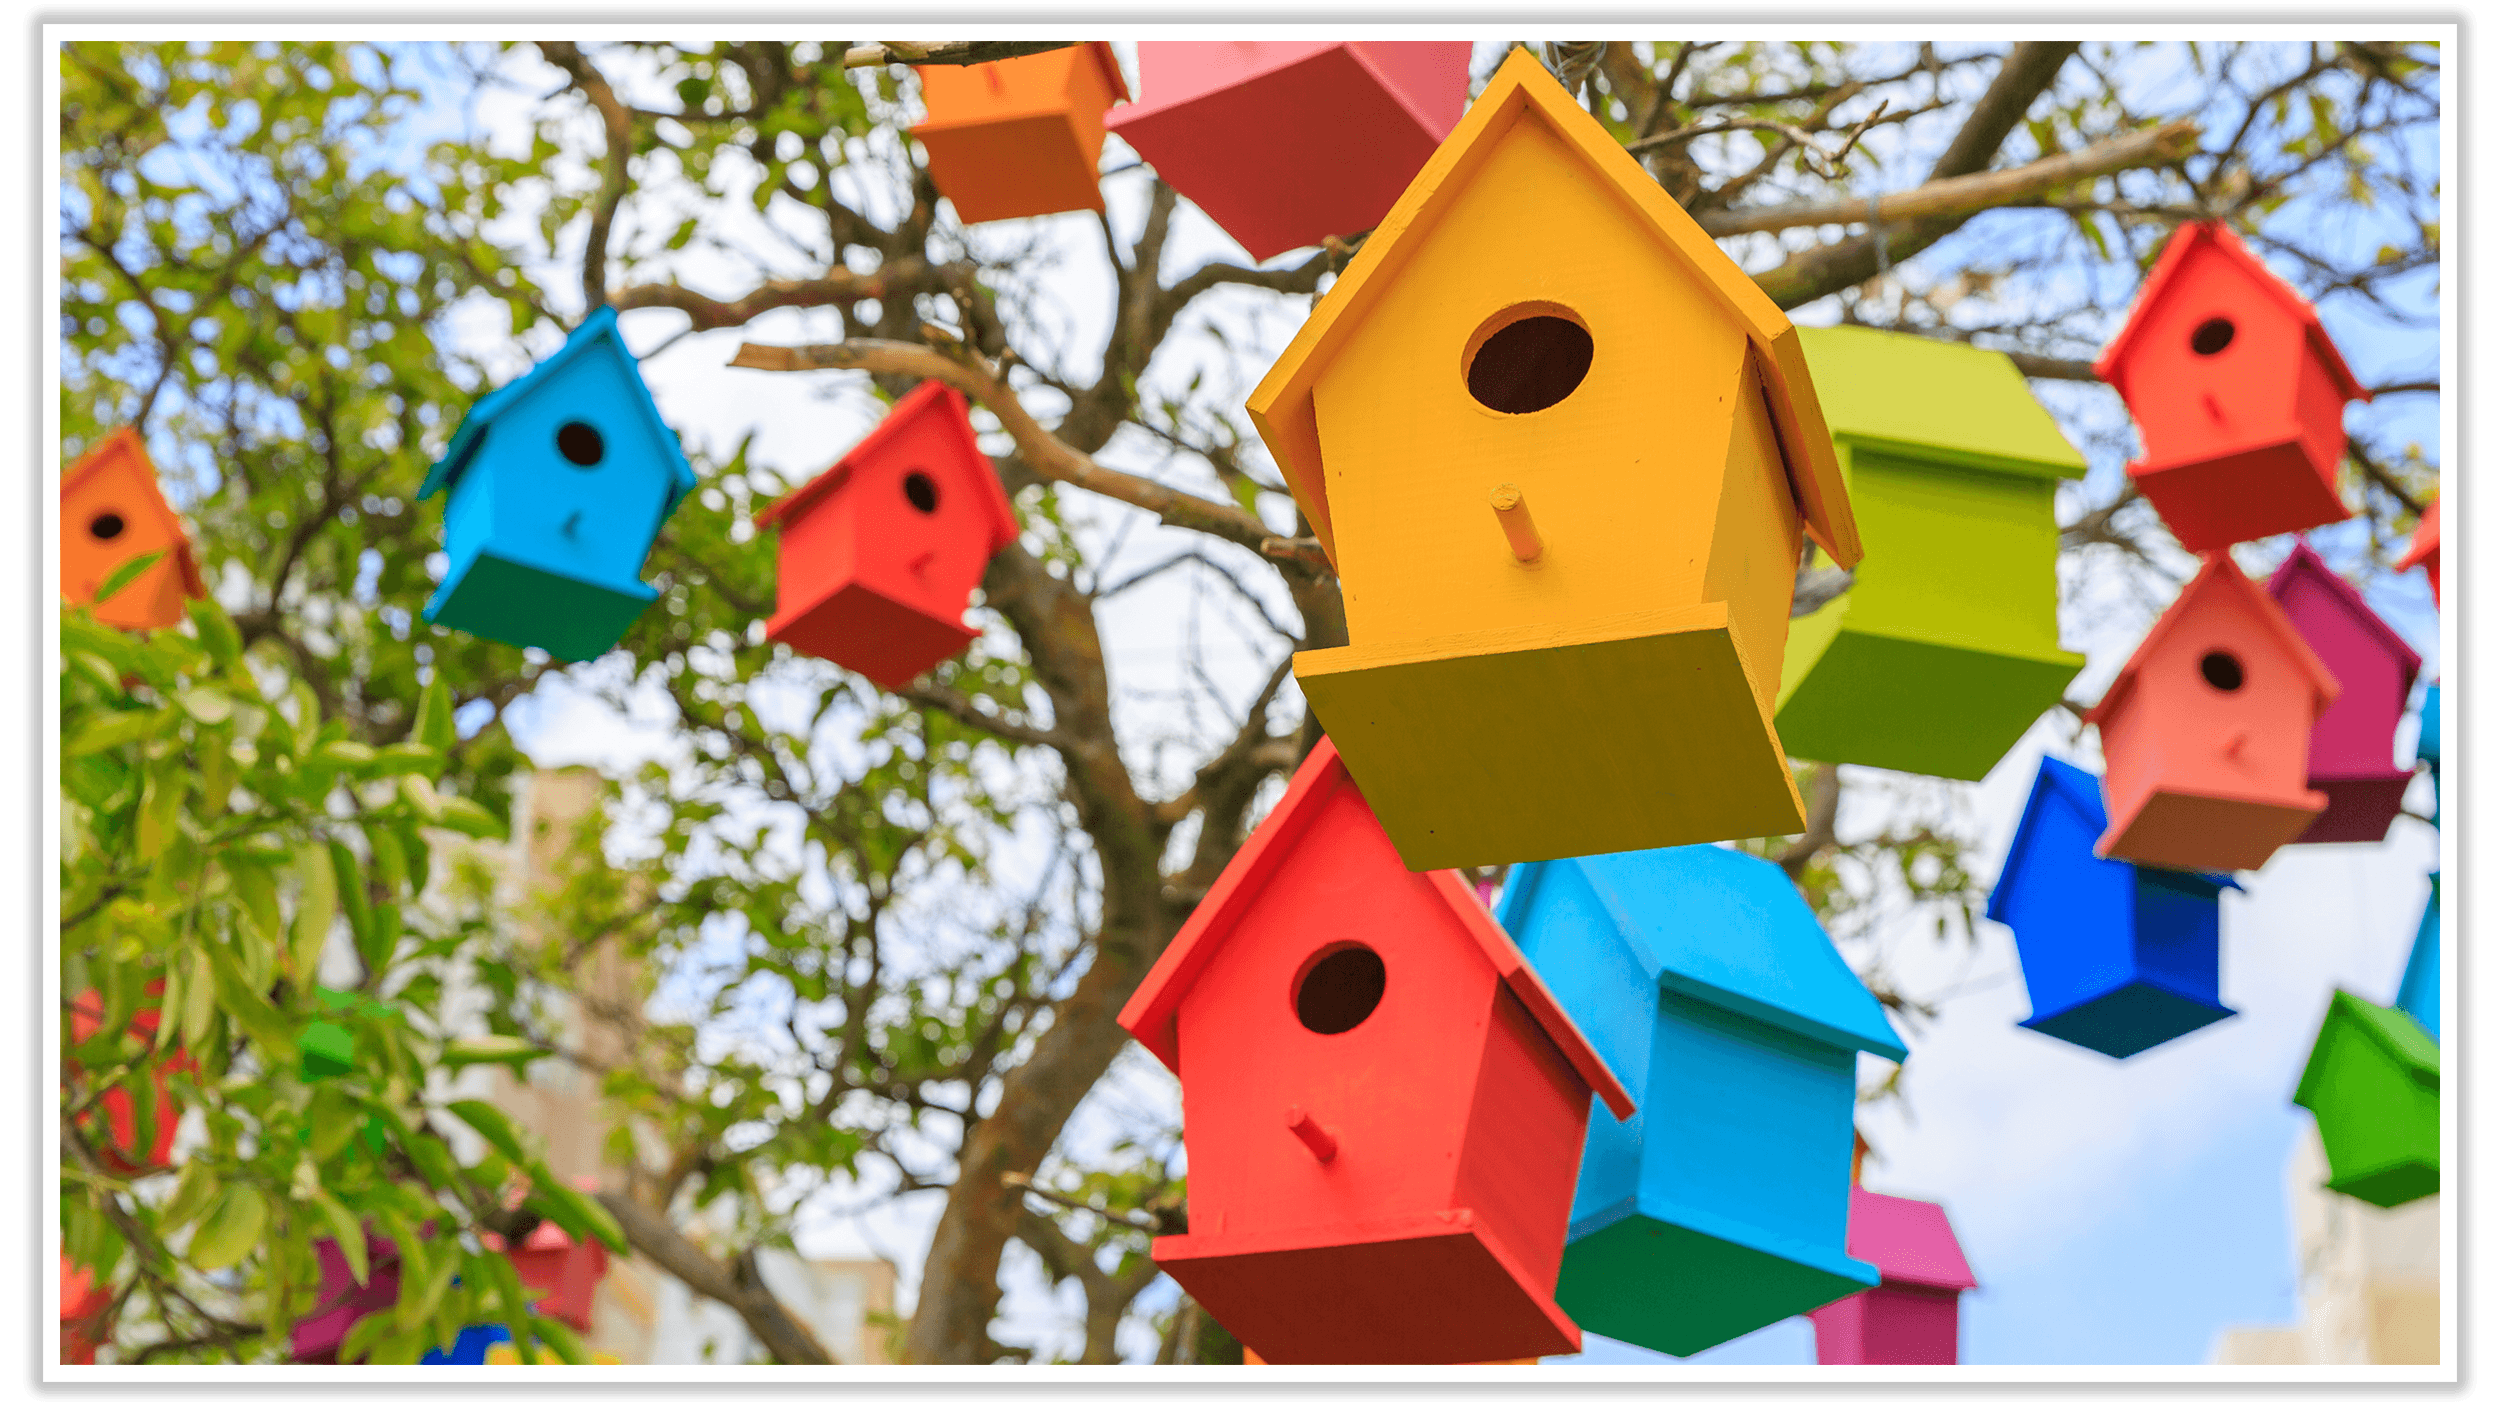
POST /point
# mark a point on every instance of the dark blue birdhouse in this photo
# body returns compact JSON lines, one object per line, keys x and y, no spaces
{"x":1701,"y":976}
{"x":2117,"y":957}
{"x":2418,"y":994}
{"x":559,"y":483}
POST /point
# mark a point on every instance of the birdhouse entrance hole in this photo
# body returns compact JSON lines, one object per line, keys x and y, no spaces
{"x":1339,"y":989}
{"x":580,"y":444}
{"x":921,"y":490}
{"x":106,"y":526}
{"x":2211,"y":336}
{"x":2222,"y":670}
{"x":1528,"y":357}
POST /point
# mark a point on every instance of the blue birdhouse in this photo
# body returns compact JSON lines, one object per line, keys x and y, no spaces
{"x":2117,"y":957}
{"x":1701,"y":976}
{"x":2426,"y":744}
{"x":559,"y":482}
{"x":2418,"y":994}
{"x":469,"y":1348}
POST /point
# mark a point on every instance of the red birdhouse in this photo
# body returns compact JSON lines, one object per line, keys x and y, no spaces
{"x":2352,"y":749}
{"x":84,"y":1305}
{"x":127,"y":1150}
{"x":113,"y":512}
{"x":1383,"y":1105}
{"x":1021,"y":136}
{"x":2237,"y":391}
{"x":2206,"y":731}
{"x":564,"y":1272}
{"x":2425,"y":549}
{"x":879,"y":554}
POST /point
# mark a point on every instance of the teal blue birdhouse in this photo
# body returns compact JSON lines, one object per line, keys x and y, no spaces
{"x":559,"y":482}
{"x":1701,"y":976}
{"x":2417,"y":995}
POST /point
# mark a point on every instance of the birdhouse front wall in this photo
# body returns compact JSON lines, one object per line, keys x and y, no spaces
{"x":114,"y":513}
{"x":2378,"y":1122}
{"x":2178,"y":935}
{"x":1522,"y":1146}
{"x":2190,"y":404}
{"x":593,"y":521}
{"x":1019,"y":137}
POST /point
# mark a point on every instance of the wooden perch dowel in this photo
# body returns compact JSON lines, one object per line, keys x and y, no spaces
{"x":1511,"y":506}
{"x":1304,"y":1126}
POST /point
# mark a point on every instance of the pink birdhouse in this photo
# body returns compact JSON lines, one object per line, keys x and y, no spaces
{"x":1914,"y":1318}
{"x":2206,"y":731}
{"x":2425,"y":549}
{"x":342,"y":1300}
{"x":1284,"y":144}
{"x":2352,"y":747}
{"x":2237,"y":391}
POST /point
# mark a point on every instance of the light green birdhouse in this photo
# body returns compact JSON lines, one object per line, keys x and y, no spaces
{"x":1945,"y":649}
{"x":2373,"y":1083}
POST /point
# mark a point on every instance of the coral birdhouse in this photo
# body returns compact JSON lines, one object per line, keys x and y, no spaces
{"x":112,"y":513}
{"x":1383,"y":1106}
{"x":2237,"y":392}
{"x":2116,"y":958}
{"x":562,"y":1271}
{"x":1944,"y":650}
{"x":1914,"y":1317}
{"x":1704,"y":980}
{"x":881,"y":552}
{"x":2206,"y":730}
{"x":1021,"y":136}
{"x":1283,"y":144}
{"x":1564,"y":496}
{"x":2352,"y":749}
{"x":558,"y":485}
{"x":2424,"y":552}
{"x":2417,"y":995}
{"x":2373,"y":1084}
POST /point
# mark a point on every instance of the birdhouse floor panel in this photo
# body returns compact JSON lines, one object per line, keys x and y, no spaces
{"x":2208,"y":832}
{"x":496,"y":598}
{"x":2241,"y":496}
{"x":2393,"y":1185}
{"x":2129,"y":1020}
{"x":870,"y":633}
{"x":1672,"y":1288}
{"x":1410,"y":1289}
{"x":1920,"y":706}
{"x":1522,"y":744}
{"x":1010,"y":168}
{"x":2358,"y":808}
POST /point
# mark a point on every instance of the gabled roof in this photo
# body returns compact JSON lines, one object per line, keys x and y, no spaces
{"x":2395,"y":1034}
{"x":2218,"y":574}
{"x":1153,"y":1013}
{"x":2158,"y":284}
{"x":1723,"y":927}
{"x":1909,"y":1242}
{"x":945,"y":410}
{"x":125,"y":446}
{"x":1933,"y":399}
{"x":597,"y":331}
{"x":2305,"y":564}
{"x":2425,"y":538}
{"x":2063,"y":783}
{"x":1521,"y":89}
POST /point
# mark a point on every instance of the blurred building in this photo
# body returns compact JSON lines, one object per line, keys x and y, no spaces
{"x":2369,"y":1279}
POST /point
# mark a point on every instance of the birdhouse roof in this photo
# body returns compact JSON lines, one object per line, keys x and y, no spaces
{"x":125,"y":450}
{"x":943,"y":409}
{"x":1522,"y":91}
{"x":1932,"y":399}
{"x":1731,"y":930}
{"x":2425,"y":538}
{"x":597,"y":336}
{"x":2165,"y":280}
{"x":2395,"y":1034}
{"x":2305,"y":564}
{"x":2216,"y":577}
{"x":1909,"y":1242}
{"x":2063,"y":784}
{"x":1152,"y":1014}
{"x":1101,"y":51}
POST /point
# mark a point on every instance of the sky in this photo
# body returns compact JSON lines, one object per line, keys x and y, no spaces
{"x":2112,"y":1211}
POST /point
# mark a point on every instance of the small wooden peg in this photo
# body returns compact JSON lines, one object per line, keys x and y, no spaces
{"x":1511,"y":506}
{"x":1304,"y":1126}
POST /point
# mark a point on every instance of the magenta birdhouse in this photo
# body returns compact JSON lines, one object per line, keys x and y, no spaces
{"x":2352,"y":749}
{"x":1284,"y":144}
{"x":1914,"y":1318}
{"x":342,"y":1300}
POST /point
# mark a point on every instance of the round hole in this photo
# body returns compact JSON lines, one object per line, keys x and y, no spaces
{"x":1521,"y":365}
{"x":105,"y":527}
{"x":2211,"y":335}
{"x":1340,"y":990}
{"x":921,"y":490}
{"x":580,"y":443}
{"x":2222,"y":670}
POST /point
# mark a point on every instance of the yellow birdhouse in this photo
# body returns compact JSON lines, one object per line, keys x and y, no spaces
{"x":1561,"y":451}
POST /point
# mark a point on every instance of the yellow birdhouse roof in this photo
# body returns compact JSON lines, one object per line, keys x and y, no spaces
{"x":1283,"y":405}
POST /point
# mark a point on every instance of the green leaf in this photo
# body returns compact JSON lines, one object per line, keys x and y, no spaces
{"x":231,"y":1230}
{"x":488,"y":1049}
{"x":316,"y":906}
{"x":217,"y":632}
{"x":256,"y":889}
{"x":110,"y":729}
{"x":419,"y":793}
{"x":331,"y":1119}
{"x":345,"y":1230}
{"x":209,"y":706}
{"x":414,"y":1308}
{"x":556,"y":1334}
{"x":433,"y":1159}
{"x":126,"y":573}
{"x":492,"y":1125}
{"x":467,"y":817}
{"x":250,"y":1009}
{"x":199,"y":998}
{"x":194,"y":1190}
{"x":363,"y":1335}
{"x":581,"y":1216}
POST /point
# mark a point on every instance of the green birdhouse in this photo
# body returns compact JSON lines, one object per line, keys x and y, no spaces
{"x":2373,"y":1083}
{"x":1944,"y":650}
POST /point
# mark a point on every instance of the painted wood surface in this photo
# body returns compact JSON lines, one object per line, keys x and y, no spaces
{"x":2372,"y":1082}
{"x":563,"y":1273}
{"x":2417,"y":994}
{"x":557,"y":485}
{"x":1914,"y":1316}
{"x":1377,"y":1093}
{"x":84,"y":1313}
{"x":2118,"y":959}
{"x":2237,"y":391}
{"x":2352,"y":749}
{"x":879,"y":554}
{"x":1944,"y":650}
{"x":2206,"y":730}
{"x":1022,"y":136}
{"x":113,"y":511}
{"x":1285,"y":143}
{"x":133,"y":1141}
{"x":2424,"y":550}
{"x":316,"y":1337}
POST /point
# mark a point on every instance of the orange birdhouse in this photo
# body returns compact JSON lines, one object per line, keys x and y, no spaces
{"x":1565,"y":496}
{"x":1383,"y":1105}
{"x":2206,"y":731}
{"x":2424,"y":552}
{"x":111,"y":512}
{"x":1021,"y":136}
{"x":880,"y":553}
{"x":2237,"y":391}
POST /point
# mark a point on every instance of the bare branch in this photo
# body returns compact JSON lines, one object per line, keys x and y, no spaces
{"x":949,"y":52}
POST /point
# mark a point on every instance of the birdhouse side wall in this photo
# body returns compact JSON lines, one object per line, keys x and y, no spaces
{"x":1521,"y":1155}
{"x":2371,"y":1113}
{"x":2178,"y":935}
{"x":1016,"y":138}
{"x":2187,"y":405}
{"x":1054,"y":82}
{"x":1955,"y":555}
{"x":593,"y":522}
{"x":2072,"y":912}
{"x":2318,"y":413}
{"x":1622,"y":477}
{"x":2356,"y":735}
{"x":1171,"y":71}
{"x":1755,"y":542}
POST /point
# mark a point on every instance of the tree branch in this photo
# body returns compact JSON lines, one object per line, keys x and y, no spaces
{"x":739,"y":1287}
{"x":949,"y":52}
